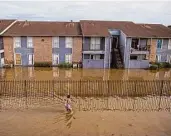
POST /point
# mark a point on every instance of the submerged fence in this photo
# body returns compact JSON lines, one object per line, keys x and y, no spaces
{"x":88,"y":95}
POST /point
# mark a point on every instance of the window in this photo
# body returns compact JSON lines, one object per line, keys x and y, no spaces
{"x":169,"y":58}
{"x":158,"y":58}
{"x":133,"y":57}
{"x":55,"y":42}
{"x":2,"y":55}
{"x":17,"y":42}
{"x":95,"y":44}
{"x":135,"y":43}
{"x":159,"y":43}
{"x":31,"y":59}
{"x":97,"y":56}
{"x":68,"y":58}
{"x":68,"y":42}
{"x":18,"y":60}
{"x":169,"y":44}
{"x":86,"y":56}
{"x":29,"y":42}
{"x":55,"y":59}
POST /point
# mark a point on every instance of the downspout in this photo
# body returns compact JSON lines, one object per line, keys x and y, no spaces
{"x":109,"y":50}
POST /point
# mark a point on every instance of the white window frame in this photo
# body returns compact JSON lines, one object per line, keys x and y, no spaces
{"x":55,"y":42}
{"x":95,"y":43}
{"x":18,"y":43}
{"x":15,"y":59}
{"x":169,"y":58}
{"x":54,"y":60}
{"x":158,"y":56}
{"x":28,"y":58}
{"x":169,"y":44}
{"x":161,"y":44}
{"x":29,"y":42}
{"x":70,"y":58}
{"x":68,"y":42}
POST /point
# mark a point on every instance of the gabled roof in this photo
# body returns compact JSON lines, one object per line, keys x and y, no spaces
{"x":4,"y":24}
{"x":101,"y":28}
{"x":44,"y":28}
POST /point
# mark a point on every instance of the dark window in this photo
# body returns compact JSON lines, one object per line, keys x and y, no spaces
{"x":101,"y":56}
{"x":86,"y":56}
{"x":134,"y":43}
{"x":2,"y":55}
{"x":133,"y":57}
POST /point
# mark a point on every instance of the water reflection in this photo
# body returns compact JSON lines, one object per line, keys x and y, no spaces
{"x":23,"y":73}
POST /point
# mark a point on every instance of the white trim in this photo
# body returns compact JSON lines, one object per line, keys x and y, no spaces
{"x":28,"y":58}
{"x":169,"y":45}
{"x":104,"y":54}
{"x":161,"y":44}
{"x":53,"y":41}
{"x":8,"y":27}
{"x":15,"y":59}
{"x":66,"y":42}
{"x":14,"y":39}
{"x":1,"y":51}
{"x":71,"y":58}
{"x":158,"y":55}
{"x":53,"y":57}
{"x":27,"y":42}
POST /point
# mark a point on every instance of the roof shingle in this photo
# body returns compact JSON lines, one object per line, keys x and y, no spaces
{"x":38,"y":28}
{"x":100,"y":28}
{"x":4,"y":24}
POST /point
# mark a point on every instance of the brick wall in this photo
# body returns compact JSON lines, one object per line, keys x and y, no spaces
{"x":8,"y":50}
{"x":77,"y":50}
{"x":152,"y":55}
{"x":42,"y":49}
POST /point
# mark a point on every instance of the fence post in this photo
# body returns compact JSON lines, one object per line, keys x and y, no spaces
{"x":80,"y":94}
{"x":135,"y":89}
{"x":161,"y":91}
{"x":53,"y":88}
{"x":25,"y":90}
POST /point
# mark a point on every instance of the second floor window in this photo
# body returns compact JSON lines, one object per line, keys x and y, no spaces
{"x":29,"y":42}
{"x":68,"y":42}
{"x":55,"y":42}
{"x":95,"y":44}
{"x":17,"y":42}
{"x":159,"y":43}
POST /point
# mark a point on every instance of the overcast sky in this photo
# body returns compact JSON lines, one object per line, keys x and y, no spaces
{"x":140,"y":12}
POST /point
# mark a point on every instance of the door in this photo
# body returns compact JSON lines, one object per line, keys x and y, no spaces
{"x":55,"y":59}
{"x":17,"y":59}
{"x":30,"y":58}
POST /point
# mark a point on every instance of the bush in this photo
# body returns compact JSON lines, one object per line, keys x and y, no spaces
{"x":65,"y":65}
{"x":42,"y":64}
{"x":161,"y":65}
{"x":153,"y":67}
{"x":166,"y":65}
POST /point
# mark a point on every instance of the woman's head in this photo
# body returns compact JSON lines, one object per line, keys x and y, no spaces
{"x":68,"y":96}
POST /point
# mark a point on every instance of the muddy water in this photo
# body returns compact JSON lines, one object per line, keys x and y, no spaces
{"x":85,"y":74}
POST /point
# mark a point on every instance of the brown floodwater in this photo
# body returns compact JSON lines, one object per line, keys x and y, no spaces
{"x":24,"y":73}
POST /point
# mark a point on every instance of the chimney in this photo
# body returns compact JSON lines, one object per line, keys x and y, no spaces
{"x":71,"y":21}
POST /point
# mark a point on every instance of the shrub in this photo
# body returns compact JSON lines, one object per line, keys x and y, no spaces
{"x":153,"y":67}
{"x":65,"y":65}
{"x":7,"y":66}
{"x":166,"y":65}
{"x":42,"y":64}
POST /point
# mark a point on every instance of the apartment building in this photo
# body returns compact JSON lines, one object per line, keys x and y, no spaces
{"x":29,"y":42}
{"x":127,"y":43}
{"x":92,"y":43}
{"x":4,"y":26}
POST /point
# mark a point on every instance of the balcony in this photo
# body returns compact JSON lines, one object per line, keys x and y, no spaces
{"x":139,"y":49}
